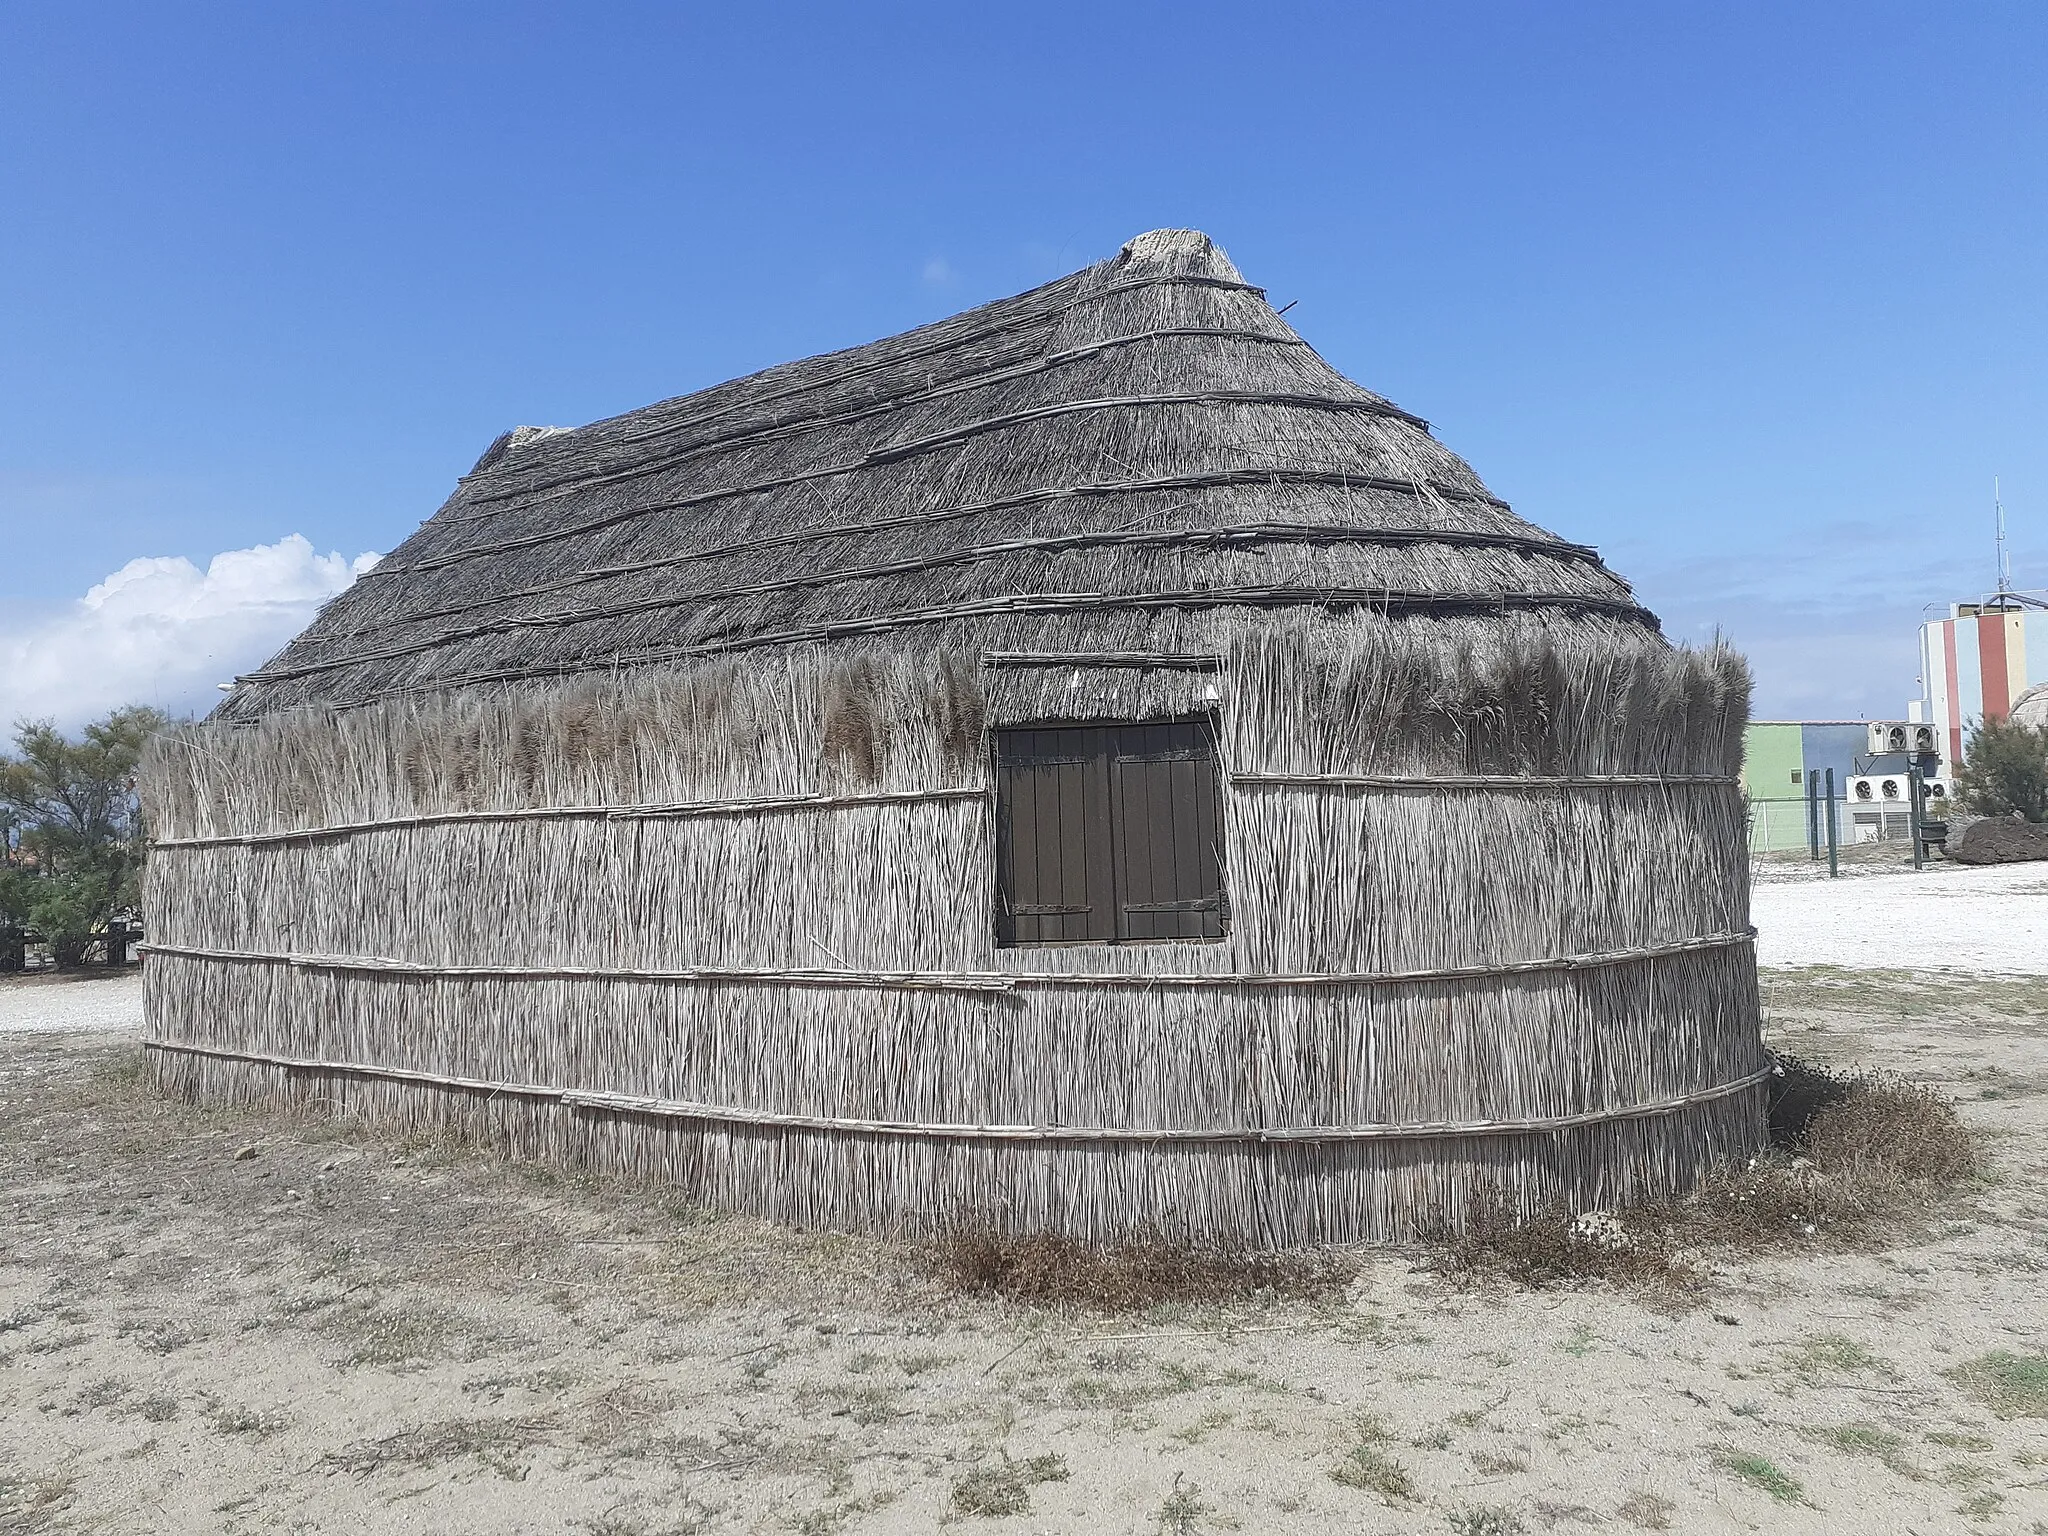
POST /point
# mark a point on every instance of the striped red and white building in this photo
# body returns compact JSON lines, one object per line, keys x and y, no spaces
{"x":1977,"y":662}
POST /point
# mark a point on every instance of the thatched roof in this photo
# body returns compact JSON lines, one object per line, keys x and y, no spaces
{"x":1143,"y":439}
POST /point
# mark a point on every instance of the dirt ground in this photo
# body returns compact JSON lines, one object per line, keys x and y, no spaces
{"x":220,"y":1322}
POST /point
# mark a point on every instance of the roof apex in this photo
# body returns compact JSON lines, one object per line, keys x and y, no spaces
{"x":1178,"y":250}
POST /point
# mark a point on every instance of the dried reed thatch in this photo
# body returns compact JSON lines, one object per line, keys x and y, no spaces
{"x":637,"y":810}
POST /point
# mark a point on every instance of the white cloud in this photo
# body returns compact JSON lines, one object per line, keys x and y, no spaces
{"x":939,"y":273}
{"x":161,"y":631}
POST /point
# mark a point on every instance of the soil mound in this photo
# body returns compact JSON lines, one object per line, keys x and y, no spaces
{"x":1997,"y":840}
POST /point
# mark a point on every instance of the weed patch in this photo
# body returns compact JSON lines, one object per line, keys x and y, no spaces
{"x":1857,"y":1439}
{"x":2011,"y":1386}
{"x":1761,"y":1473}
{"x":1486,"y":1520}
{"x":1835,"y":1355}
{"x":1857,"y":1162}
{"x":1366,"y":1464}
{"x":246,"y":1423}
{"x":1005,"y":1489}
{"x":1052,"y":1271}
{"x":1183,"y":1509}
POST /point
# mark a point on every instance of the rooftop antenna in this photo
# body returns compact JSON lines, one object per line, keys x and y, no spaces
{"x":2004,"y":556}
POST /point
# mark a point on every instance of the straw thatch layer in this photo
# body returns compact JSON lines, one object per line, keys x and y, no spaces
{"x":639,"y":811}
{"x":1147,"y":434}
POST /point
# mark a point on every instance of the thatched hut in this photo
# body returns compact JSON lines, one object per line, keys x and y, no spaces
{"x":1081,"y":765}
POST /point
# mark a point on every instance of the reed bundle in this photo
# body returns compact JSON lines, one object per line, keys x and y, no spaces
{"x":464,"y":857}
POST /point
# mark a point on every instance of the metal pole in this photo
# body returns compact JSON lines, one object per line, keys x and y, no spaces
{"x":1813,"y":815}
{"x":1916,"y":795}
{"x":1833,"y":868}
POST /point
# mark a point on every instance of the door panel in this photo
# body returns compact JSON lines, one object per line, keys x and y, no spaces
{"x":1109,"y":834}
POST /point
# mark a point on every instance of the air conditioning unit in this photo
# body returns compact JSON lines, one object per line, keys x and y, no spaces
{"x":1880,"y":788}
{"x":1901,"y":736}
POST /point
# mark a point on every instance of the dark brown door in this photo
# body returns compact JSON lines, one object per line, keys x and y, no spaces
{"x":1109,"y":834}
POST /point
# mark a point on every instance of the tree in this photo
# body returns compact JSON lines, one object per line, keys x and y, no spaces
{"x":74,"y":837}
{"x":2006,"y":771}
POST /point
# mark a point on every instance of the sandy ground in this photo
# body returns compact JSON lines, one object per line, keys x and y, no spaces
{"x":1886,"y":914}
{"x":71,"y":1000}
{"x":219,"y":1322}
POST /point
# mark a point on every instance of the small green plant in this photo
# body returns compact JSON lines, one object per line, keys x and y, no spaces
{"x":1858,"y":1439}
{"x":1472,"y":1418}
{"x":1864,"y":1440}
{"x":1183,"y":1509}
{"x":2011,"y":1386}
{"x":1367,"y":1466}
{"x":1195,"y":1433}
{"x":1835,"y":1354}
{"x":1759,"y":1472}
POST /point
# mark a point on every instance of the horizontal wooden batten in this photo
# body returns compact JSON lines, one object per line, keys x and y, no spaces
{"x":947,"y":981}
{"x":1506,"y":781}
{"x":1177,"y":660}
{"x":967,"y":981}
{"x":678,"y":811}
{"x":1240,"y":536}
{"x":683,"y":1109}
{"x":769,"y":805}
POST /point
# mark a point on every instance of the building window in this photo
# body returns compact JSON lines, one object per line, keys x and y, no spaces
{"x":1798,"y":777}
{"x":1109,"y":834}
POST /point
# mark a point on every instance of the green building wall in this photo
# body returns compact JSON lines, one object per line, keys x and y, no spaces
{"x":1774,"y":778}
{"x":1777,"y":755}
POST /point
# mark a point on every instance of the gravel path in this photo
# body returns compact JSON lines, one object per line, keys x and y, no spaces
{"x":37,"y":1004}
{"x":1946,"y":917}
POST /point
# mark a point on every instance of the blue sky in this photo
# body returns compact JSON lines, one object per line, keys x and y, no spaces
{"x":1752,"y":297}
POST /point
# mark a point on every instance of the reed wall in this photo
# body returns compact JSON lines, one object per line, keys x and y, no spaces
{"x":731,"y":926}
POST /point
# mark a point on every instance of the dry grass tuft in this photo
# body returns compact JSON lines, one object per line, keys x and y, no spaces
{"x":1647,"y":1511}
{"x":1553,"y":1248}
{"x":1005,"y":1488}
{"x":494,"y":1442}
{"x":1893,"y":1131}
{"x":1858,"y":1161}
{"x":1047,"y":1270}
